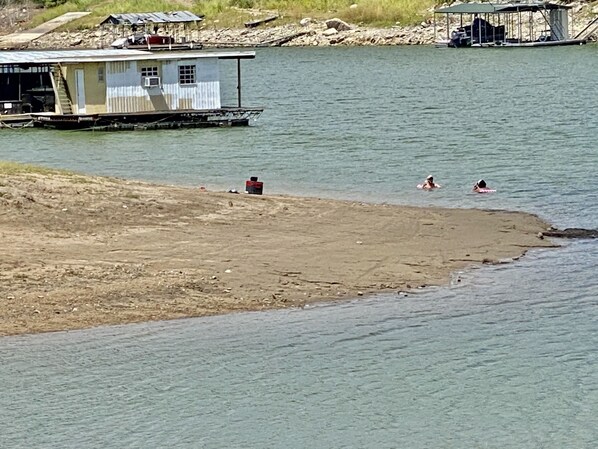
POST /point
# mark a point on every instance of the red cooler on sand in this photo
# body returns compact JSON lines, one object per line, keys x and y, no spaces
{"x":254,"y":186}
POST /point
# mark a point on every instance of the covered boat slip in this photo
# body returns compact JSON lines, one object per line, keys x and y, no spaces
{"x":529,"y":24}
{"x":119,"y":89}
{"x":140,"y":30}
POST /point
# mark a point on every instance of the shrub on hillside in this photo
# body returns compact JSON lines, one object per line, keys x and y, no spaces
{"x":49,"y":3}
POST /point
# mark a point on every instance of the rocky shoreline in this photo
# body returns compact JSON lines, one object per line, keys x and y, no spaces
{"x":304,"y":33}
{"x":312,"y":34}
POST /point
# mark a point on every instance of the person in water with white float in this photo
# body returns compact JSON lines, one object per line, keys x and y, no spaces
{"x":481,"y":187}
{"x":429,"y":184}
{"x":478,"y":187}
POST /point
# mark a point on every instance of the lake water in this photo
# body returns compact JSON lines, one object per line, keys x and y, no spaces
{"x":506,"y":358}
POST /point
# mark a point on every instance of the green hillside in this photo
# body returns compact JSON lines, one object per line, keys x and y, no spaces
{"x":233,"y":13}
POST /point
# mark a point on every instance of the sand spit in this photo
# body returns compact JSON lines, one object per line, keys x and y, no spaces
{"x":82,"y":251}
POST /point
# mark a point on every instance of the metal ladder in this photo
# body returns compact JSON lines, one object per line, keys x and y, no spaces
{"x":62,"y":95}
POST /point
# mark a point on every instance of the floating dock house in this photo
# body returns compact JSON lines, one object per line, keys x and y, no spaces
{"x":521,"y":24}
{"x":119,"y":89}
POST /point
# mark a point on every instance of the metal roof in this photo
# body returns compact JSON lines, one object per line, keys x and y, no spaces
{"x":493,"y":8}
{"x":468,"y":8}
{"x":81,"y":56}
{"x":532,"y":6}
{"x":142,"y":18}
{"x":28,"y":56}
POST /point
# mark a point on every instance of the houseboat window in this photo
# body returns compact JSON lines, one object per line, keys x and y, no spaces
{"x":100,"y":74}
{"x":186,"y":74}
{"x":149,"y":71}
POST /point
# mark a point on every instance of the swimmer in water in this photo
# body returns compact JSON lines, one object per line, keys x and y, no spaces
{"x":429,"y":184}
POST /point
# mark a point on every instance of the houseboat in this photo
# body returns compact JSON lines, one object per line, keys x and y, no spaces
{"x":521,"y":24}
{"x":115,"y":89}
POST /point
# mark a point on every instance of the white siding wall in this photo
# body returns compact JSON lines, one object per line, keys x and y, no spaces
{"x":205,"y":94}
{"x":125,"y":93}
{"x":123,"y":87}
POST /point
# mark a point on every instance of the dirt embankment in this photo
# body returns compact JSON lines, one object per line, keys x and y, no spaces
{"x":16,"y":16}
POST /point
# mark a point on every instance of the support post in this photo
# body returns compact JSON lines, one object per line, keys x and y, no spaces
{"x":239,"y":82}
{"x":519,"y":24}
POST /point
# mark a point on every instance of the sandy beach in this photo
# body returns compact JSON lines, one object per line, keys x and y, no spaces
{"x":81,"y":251}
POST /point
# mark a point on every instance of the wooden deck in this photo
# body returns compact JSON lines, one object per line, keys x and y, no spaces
{"x":223,"y":117}
{"x":13,"y":121}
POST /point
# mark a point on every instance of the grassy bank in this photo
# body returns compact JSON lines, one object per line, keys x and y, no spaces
{"x":16,"y":168}
{"x":233,"y":13}
{"x":8,"y":168}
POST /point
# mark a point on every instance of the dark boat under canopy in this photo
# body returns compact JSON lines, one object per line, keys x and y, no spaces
{"x":530,"y":24}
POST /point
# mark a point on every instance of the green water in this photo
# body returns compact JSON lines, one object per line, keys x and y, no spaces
{"x":505,"y":358}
